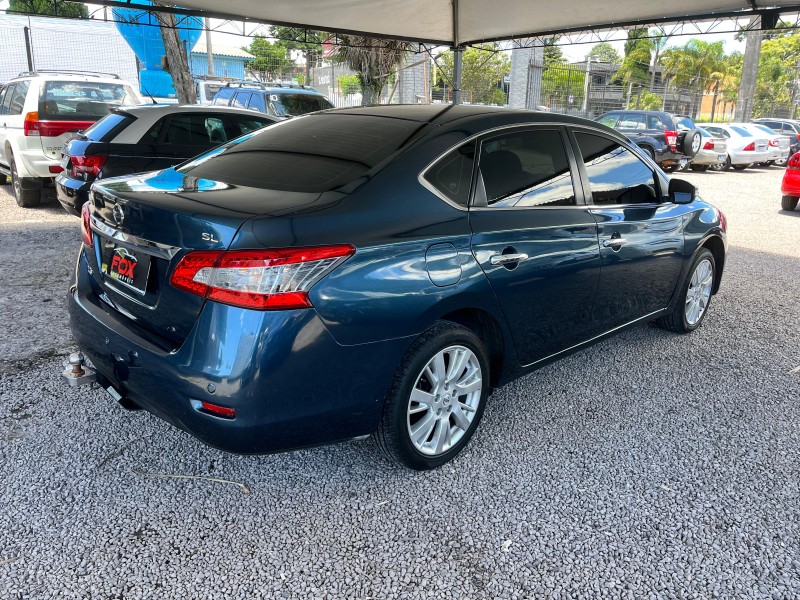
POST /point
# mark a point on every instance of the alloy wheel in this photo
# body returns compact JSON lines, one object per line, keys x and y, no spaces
{"x":444,"y":400}
{"x":699,"y":292}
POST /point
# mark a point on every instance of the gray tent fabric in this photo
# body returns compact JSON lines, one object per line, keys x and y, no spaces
{"x":458,"y":22}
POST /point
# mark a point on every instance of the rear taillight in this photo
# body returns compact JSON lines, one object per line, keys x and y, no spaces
{"x":723,"y":222}
{"x":774,"y":143}
{"x":671,"y":137}
{"x":750,"y":147}
{"x":794,"y":162}
{"x":86,"y":231}
{"x":709,"y":145}
{"x":258,"y":279}
{"x":32,"y":126}
{"x":86,"y":167}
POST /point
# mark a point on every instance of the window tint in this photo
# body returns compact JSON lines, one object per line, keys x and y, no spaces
{"x":108,"y":127}
{"x":452,"y":175}
{"x":314,"y":154}
{"x":257,"y":103}
{"x":632,"y":122}
{"x":616,"y":175}
{"x":151,"y":137}
{"x":299,"y":104}
{"x":195,"y":130}
{"x":741,"y":131}
{"x":526,"y":168}
{"x":82,"y":100}
{"x":8,"y":93}
{"x":243,"y":124}
{"x":657,"y":122}
{"x":240,"y":99}
{"x":608,"y":120}
{"x":17,"y":97}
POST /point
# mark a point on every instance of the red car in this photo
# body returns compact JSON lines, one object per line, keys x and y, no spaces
{"x":790,"y":188}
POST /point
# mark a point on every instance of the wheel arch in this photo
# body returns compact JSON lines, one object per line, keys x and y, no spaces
{"x":716,"y":246}
{"x":486,"y":327}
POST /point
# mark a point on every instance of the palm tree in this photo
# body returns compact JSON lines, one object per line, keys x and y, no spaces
{"x":373,"y":60}
{"x":695,"y":65}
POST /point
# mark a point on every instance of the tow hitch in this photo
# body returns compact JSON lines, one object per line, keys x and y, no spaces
{"x":76,"y":372}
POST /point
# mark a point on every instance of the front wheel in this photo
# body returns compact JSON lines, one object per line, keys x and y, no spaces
{"x":437,"y":398}
{"x":789,"y":203}
{"x":695,"y":296}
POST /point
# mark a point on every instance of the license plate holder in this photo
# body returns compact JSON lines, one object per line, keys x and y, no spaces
{"x":128,"y":267}
{"x":721,"y":157}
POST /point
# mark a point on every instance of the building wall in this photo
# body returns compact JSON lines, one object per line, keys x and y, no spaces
{"x":224,"y":66}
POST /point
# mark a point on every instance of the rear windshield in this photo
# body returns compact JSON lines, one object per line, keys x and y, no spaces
{"x":108,"y":127}
{"x":298,"y":104}
{"x":684,"y":124}
{"x":741,"y":131}
{"x":82,"y":100}
{"x":766,"y":129}
{"x":311,"y":154}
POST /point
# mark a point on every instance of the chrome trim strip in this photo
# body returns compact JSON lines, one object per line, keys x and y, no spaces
{"x":160,"y":250}
{"x":597,"y":337}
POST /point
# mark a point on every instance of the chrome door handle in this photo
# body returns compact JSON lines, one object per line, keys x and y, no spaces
{"x":614,"y":242}
{"x":504,"y":259}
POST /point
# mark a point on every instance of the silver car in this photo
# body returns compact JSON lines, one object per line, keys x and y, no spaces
{"x":712,"y":154}
{"x":744,"y":147}
{"x":778,"y":143}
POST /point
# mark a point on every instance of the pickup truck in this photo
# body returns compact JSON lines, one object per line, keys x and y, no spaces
{"x":670,"y":140}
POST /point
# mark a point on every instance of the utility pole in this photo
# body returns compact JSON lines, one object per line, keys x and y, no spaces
{"x":209,"y":53}
{"x":747,"y":87}
{"x":585,"y":106}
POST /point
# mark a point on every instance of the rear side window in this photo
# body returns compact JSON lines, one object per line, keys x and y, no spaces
{"x":257,"y":103}
{"x":243,"y":124}
{"x":452,"y":174}
{"x":313,"y":154}
{"x":301,"y":104}
{"x":616,"y":175}
{"x":657,"y":122}
{"x":107,"y":128}
{"x":608,"y":120}
{"x":240,"y":99}
{"x":525,"y":169}
{"x":82,"y":100}
{"x":223,"y":97}
{"x":16,"y":97}
{"x":632,"y":122}
{"x":195,"y":130}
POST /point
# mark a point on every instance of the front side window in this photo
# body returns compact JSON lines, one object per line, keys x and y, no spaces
{"x":525,"y":169}
{"x":452,"y":174}
{"x":616,"y":175}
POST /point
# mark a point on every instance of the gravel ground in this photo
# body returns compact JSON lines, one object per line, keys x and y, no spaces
{"x":649,"y":466}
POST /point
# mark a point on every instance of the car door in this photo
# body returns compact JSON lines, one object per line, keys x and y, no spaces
{"x":5,"y":101}
{"x":640,"y":232}
{"x":535,"y":239}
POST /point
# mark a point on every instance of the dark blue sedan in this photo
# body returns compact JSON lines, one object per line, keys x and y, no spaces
{"x":380,"y":271}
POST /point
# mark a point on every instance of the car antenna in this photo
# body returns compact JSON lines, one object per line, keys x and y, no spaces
{"x":148,"y":93}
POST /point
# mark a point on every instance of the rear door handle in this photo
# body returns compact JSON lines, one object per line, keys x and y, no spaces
{"x":504,"y":259}
{"x":614,"y":242}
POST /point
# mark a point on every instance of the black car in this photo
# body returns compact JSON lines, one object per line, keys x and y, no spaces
{"x":145,"y":138}
{"x":379,"y":270}
{"x":273,"y":100}
{"x":670,"y":140}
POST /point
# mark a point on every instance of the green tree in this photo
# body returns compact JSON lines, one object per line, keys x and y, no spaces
{"x":553,"y":55}
{"x":68,"y":10}
{"x":373,"y":60}
{"x":695,"y":66}
{"x":778,"y":70}
{"x":605,"y":52}
{"x":305,"y":40}
{"x":482,"y":71}
{"x":271,"y":58}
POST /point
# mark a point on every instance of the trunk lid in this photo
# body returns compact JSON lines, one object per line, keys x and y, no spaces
{"x":143,"y":225}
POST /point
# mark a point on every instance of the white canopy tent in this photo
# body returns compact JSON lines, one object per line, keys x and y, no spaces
{"x":460,"y":22}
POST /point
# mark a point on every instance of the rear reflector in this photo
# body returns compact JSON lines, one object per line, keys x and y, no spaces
{"x":86,"y":231}
{"x":55,"y":168}
{"x":214,"y":409}
{"x":257,"y":279}
{"x":33,"y":126}
{"x":723,"y":222}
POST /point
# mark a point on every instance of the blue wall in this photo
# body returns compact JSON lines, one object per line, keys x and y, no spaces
{"x":224,"y":66}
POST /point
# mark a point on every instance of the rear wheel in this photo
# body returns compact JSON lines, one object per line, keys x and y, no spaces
{"x":24,"y":198}
{"x":695,"y":296}
{"x":789,"y":202}
{"x":669,"y":168}
{"x":437,"y":398}
{"x":727,"y":164}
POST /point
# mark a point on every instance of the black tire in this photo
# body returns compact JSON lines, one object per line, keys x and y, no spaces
{"x":740,"y":167}
{"x":726,"y":165}
{"x":24,"y":198}
{"x":699,"y":167}
{"x":669,"y":168}
{"x":676,"y":320}
{"x":3,"y":179}
{"x":650,"y":152}
{"x":691,"y":143}
{"x":789,"y":203}
{"x":393,"y":435}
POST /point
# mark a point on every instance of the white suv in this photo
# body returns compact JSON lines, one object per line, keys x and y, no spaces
{"x":39,"y":112}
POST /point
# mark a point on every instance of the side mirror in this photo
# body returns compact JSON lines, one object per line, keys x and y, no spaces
{"x":681,"y":191}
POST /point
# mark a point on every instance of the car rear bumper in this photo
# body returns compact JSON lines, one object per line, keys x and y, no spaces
{"x":709,"y":157}
{"x":291,"y":384}
{"x":72,"y":193}
{"x":747,"y":158}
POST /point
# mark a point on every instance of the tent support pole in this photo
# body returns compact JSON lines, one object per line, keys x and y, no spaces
{"x":458,"y":56}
